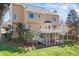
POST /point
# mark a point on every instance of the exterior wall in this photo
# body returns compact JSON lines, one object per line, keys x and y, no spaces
{"x":37,"y":23}
{"x":53,"y":28}
{"x":18,"y":12}
{"x":40,"y":20}
{"x":35,"y":26}
{"x":63,"y":29}
{"x":44,"y":17}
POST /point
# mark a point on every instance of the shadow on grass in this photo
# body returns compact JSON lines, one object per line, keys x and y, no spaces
{"x":14,"y":48}
{"x":11,"y":48}
{"x":69,"y":44}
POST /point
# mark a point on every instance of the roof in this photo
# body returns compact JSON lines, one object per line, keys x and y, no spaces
{"x":37,"y":9}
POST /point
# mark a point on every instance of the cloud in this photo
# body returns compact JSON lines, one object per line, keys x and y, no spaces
{"x":77,"y":10}
{"x":63,"y":9}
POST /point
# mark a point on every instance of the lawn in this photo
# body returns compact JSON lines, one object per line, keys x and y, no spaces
{"x":67,"y":49}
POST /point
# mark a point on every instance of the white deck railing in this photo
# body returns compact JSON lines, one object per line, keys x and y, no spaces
{"x":49,"y":31}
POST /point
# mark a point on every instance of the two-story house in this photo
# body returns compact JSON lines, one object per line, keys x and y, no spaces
{"x":39,"y":19}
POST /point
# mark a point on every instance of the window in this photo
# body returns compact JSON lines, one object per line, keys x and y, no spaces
{"x":39,"y":16}
{"x":14,"y":16}
{"x":31,"y":15}
{"x":54,"y":26}
{"x":49,"y":27}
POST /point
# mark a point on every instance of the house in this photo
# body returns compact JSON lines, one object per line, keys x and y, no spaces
{"x":39,"y":19}
{"x":63,"y":29}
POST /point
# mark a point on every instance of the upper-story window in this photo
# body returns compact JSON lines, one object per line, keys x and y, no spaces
{"x":31,"y":15}
{"x":39,"y":16}
{"x":14,"y":16}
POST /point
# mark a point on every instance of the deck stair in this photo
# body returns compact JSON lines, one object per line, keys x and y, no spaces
{"x":43,"y":41}
{"x":37,"y":37}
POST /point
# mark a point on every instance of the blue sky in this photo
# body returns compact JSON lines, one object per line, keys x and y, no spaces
{"x":7,"y":16}
{"x":62,"y":8}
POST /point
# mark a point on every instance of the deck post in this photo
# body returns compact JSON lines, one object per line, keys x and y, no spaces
{"x":49,"y":38}
{"x":46,"y":39}
{"x":55,"y":38}
{"x":67,"y":37}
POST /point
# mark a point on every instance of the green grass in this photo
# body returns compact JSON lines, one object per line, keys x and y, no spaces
{"x":67,"y":49}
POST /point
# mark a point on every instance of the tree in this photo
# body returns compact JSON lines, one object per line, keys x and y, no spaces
{"x":3,"y":8}
{"x":20,"y":29}
{"x":8,"y":34}
{"x":72,"y":23}
{"x":25,"y":34}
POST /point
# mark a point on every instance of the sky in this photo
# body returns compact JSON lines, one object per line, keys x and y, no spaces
{"x":62,"y":8}
{"x":7,"y":16}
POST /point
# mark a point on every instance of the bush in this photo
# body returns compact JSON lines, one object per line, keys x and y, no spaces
{"x":6,"y":37}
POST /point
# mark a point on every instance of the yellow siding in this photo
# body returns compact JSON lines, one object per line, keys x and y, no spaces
{"x":37,"y":21}
{"x":18,"y":10}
